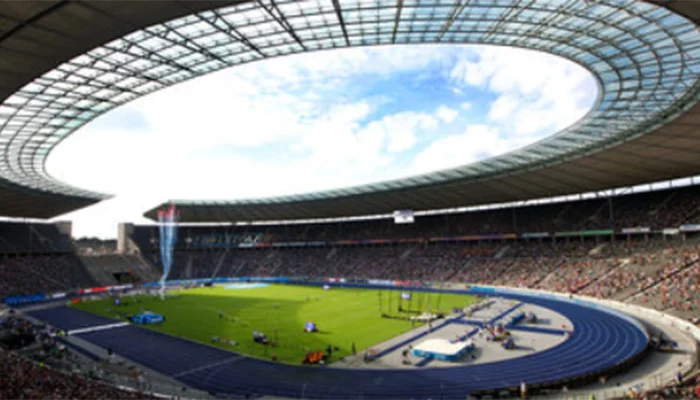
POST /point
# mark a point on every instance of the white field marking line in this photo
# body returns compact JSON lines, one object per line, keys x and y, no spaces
{"x":203,"y":367}
{"x":97,"y":328}
{"x":216,"y":312}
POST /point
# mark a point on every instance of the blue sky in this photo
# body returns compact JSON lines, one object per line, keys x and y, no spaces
{"x":318,"y":121}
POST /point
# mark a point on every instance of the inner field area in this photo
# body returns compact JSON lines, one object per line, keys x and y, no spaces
{"x":343,"y":316}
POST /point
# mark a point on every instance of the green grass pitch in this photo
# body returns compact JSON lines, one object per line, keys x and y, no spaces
{"x":343,"y":316}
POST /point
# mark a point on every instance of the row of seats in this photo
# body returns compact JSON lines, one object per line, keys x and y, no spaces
{"x":42,"y":274}
{"x":20,"y":238}
{"x":656,"y":210}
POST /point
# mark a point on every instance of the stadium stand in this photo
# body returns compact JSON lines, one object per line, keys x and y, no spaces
{"x":606,"y":265}
{"x":32,"y":238}
{"x":42,"y":274}
{"x":94,"y":246}
{"x":683,"y":388}
{"x":669,"y":209}
{"x":566,"y":268}
{"x":39,"y":366}
{"x":647,"y":268}
{"x":38,"y":258}
{"x":609,"y":263}
{"x":106,"y":268}
{"x":65,"y":63}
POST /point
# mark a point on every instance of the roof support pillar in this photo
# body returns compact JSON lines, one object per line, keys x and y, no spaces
{"x":339,"y":13}
{"x":460,"y":5}
{"x":231,"y":31}
{"x":228,"y":29}
{"x":278,"y":16}
{"x":397,"y":19}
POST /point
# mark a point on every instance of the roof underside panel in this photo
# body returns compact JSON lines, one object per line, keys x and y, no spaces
{"x":63,"y":63}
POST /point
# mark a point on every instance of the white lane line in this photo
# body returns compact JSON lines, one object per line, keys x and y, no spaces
{"x":97,"y":328}
{"x":203,"y":367}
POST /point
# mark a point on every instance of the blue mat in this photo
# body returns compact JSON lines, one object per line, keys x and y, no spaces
{"x":426,"y":361}
{"x":547,"y":331}
{"x":504,"y":313}
{"x":411,"y":339}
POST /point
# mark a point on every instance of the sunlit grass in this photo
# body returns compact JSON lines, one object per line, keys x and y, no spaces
{"x":343,"y":316}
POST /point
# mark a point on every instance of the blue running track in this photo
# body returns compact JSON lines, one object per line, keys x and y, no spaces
{"x":601,"y":341}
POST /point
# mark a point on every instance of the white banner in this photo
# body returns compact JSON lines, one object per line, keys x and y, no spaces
{"x":403,"y":217}
{"x":381,"y":282}
{"x":637,"y":229}
{"x":120,"y":287}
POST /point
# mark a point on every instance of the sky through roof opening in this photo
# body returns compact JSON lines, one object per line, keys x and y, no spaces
{"x":318,"y":121}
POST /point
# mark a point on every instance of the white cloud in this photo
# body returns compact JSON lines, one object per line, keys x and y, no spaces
{"x":503,"y":107}
{"x":297,"y":103}
{"x":446,"y":114}
{"x":506,"y":69}
{"x":536,"y":93}
{"x":477,"y":142}
{"x":402,"y":129}
{"x":297,"y":124}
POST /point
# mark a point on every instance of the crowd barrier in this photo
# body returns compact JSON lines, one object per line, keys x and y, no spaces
{"x":186,"y":282}
{"x":18,"y":301}
{"x":27,"y":299}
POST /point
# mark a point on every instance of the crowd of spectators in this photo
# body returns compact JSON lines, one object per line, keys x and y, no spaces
{"x":104,"y":268}
{"x":676,"y":288}
{"x":41,"y":274}
{"x":37,"y":258}
{"x":483,"y":270}
{"x":681,"y":388}
{"x":639,"y":265}
{"x":18,"y":238}
{"x":663,"y":275}
{"x":573,"y":275}
{"x":618,"y":283}
{"x":565,"y":264}
{"x":574,"y":263}
{"x":590,"y":267}
{"x":527,"y":272}
{"x":573,"y":266}
{"x":654,"y":210}
{"x":22,"y":378}
{"x":35,"y":365}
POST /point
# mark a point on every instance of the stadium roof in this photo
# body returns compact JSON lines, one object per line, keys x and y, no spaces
{"x":63,"y":63}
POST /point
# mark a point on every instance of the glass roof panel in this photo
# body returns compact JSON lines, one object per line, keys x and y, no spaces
{"x":646,"y":58}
